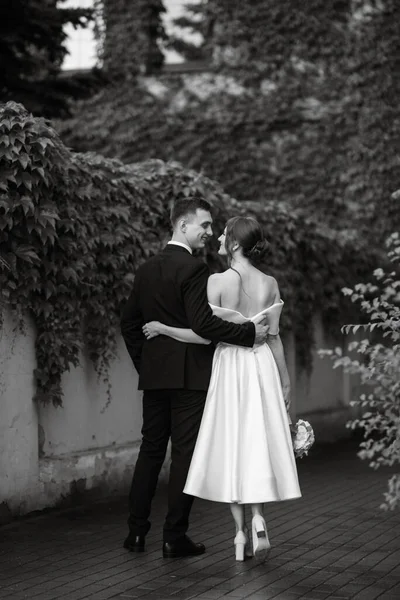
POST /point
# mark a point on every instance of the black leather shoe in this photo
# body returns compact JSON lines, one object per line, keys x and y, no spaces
{"x":182,"y":547}
{"x":134,"y":543}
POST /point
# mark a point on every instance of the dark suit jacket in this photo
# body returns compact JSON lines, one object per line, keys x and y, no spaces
{"x":171,"y":287}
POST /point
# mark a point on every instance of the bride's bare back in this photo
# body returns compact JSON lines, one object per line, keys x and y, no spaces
{"x":249,"y":291}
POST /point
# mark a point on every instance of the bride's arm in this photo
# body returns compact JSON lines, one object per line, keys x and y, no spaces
{"x":276,"y":346}
{"x":155,"y":328}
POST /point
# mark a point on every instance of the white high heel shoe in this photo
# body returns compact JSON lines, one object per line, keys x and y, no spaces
{"x":261,"y":545}
{"x":240,"y":545}
{"x":248,"y":550}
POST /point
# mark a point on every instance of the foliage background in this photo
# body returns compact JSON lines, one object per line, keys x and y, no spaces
{"x":32,"y":49}
{"x":376,"y":360}
{"x":74,"y":228}
{"x":130,"y":36}
{"x":299,"y":104}
{"x":296,"y":117}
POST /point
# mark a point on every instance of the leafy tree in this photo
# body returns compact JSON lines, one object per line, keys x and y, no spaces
{"x":32,"y":49}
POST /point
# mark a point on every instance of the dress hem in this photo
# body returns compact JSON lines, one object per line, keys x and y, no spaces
{"x":258,"y":501}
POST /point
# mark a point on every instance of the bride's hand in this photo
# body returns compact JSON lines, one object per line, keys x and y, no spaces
{"x":152,"y":329}
{"x":286,"y":395}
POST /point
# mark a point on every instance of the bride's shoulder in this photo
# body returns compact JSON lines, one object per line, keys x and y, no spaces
{"x":271,"y":289}
{"x":219,"y":277}
{"x":226,"y":278}
{"x":214,"y":278}
{"x":270,"y":281}
{"x":216,"y":283}
{"x":229,"y":275}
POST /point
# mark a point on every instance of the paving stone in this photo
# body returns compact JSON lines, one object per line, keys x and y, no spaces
{"x":334,"y":543}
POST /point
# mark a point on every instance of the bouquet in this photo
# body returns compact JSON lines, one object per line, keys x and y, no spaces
{"x":302,"y":437}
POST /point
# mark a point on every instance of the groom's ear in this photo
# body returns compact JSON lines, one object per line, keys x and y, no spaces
{"x":182,"y":225}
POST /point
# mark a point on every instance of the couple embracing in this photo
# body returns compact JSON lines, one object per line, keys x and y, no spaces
{"x":212,"y":368}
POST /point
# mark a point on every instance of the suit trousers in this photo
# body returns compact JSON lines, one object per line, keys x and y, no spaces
{"x":174,"y":414}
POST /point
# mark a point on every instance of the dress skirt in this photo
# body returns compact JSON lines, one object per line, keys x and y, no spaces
{"x":244,"y":449}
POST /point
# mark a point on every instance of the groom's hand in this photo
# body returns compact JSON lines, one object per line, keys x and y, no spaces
{"x":261,"y":333}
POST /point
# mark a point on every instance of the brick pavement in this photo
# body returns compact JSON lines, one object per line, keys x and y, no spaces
{"x":332,"y":544}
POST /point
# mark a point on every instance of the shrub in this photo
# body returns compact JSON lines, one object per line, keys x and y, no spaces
{"x":378,"y":367}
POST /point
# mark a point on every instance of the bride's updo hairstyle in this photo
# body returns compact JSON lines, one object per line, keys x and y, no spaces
{"x":248,"y":233}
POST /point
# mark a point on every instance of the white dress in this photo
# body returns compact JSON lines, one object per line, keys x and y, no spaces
{"x":244,"y":449}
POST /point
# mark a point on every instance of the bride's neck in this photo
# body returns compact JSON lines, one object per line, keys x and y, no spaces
{"x":240,"y":262}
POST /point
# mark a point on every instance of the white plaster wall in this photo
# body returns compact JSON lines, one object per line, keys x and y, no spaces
{"x":323,"y":388}
{"x":89,"y":418}
{"x":67,"y":478}
{"x":48,"y":453}
{"x":18,"y":416}
{"x":91,"y":443}
{"x":323,"y":396}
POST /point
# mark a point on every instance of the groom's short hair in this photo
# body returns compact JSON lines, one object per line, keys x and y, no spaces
{"x":187,"y":206}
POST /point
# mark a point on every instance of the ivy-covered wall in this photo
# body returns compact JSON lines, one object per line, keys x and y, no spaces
{"x":75,"y":227}
{"x":129,"y":34}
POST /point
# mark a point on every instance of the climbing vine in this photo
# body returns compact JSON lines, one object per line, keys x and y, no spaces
{"x":75,"y":227}
{"x":129,"y":34}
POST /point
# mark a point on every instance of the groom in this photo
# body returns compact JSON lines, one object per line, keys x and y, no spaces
{"x":171,"y":287}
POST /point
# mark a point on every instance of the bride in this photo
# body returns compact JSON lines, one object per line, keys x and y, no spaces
{"x":243,"y":454}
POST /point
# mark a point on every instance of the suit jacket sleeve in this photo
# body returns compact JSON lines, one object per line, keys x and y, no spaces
{"x":201,"y":318}
{"x":131,"y":325}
